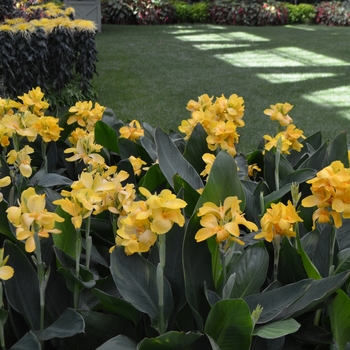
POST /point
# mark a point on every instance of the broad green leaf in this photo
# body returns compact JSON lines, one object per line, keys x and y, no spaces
{"x":22,"y":290}
{"x":153,"y":179}
{"x":171,"y":340}
{"x":106,"y":136}
{"x":197,"y":267}
{"x":339,"y":312}
{"x":118,"y":342}
{"x":135,"y":278}
{"x":172,"y":162}
{"x":318,"y":292}
{"x":277,"y":329}
{"x":250,"y":270}
{"x":66,"y":240}
{"x":290,"y":266}
{"x":230,"y":324}
{"x":50,"y":180}
{"x":316,"y":159}
{"x":129,"y":148}
{"x":343,"y":237}
{"x":196,"y":146}
{"x":118,"y":306}
{"x":27,"y":342}
{"x":68,"y":324}
{"x":298,"y":176}
{"x":337,"y":150}
{"x":215,"y":261}
{"x":252,"y":208}
{"x":310,"y":333}
{"x":276,"y":196}
{"x":343,"y":261}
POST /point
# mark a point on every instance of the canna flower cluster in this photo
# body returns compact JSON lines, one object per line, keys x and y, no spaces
{"x":133,"y":131}
{"x":219,"y":119}
{"x":146,"y":219}
{"x":222,"y":221}
{"x":331,"y":194}
{"x":288,"y":138}
{"x":278,"y":221}
{"x":31,"y":217}
{"x":84,"y":115}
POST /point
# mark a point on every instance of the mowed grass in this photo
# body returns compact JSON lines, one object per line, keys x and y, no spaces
{"x":149,"y":73}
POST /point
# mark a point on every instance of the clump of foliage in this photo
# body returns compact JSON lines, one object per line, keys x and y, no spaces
{"x":333,"y":13}
{"x":251,"y":13}
{"x":137,"y":12}
{"x":301,"y":13}
{"x":191,"y":13}
{"x":119,"y":235}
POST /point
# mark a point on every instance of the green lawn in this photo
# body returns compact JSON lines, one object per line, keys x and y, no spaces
{"x":149,"y":73}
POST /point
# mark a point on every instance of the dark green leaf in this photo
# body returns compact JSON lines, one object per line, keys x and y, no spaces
{"x":337,"y":150}
{"x":298,"y":176}
{"x":230,"y":325}
{"x":22,"y":290}
{"x":153,"y":179}
{"x":27,"y":342}
{"x":339,"y":312}
{"x":118,"y":306}
{"x":277,"y":329}
{"x":128,"y":148}
{"x":250,"y":270}
{"x":171,"y":340}
{"x":68,"y":324}
{"x":106,"y":136}
{"x":4,"y":223}
{"x":119,"y":342}
{"x":343,"y":261}
{"x":316,"y":159}
{"x":50,"y":180}
{"x":172,"y":162}
{"x":135,"y":278}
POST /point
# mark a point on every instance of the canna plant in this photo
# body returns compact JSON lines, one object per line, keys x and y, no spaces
{"x":120,"y":235}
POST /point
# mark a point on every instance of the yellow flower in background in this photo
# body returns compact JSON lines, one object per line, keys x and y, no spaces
{"x":4,"y":182}
{"x":293,"y":135}
{"x":34,"y":102}
{"x":208,"y":159}
{"x":137,"y":164}
{"x":204,"y":101}
{"x":222,"y":221}
{"x":47,"y":128}
{"x":330,"y":193}
{"x":21,"y":160}
{"x":279,"y":112}
{"x":77,"y":134}
{"x":278,"y":220}
{"x":279,"y":140}
{"x":133,"y":131}
{"x":74,"y":209}
{"x":7,"y":105}
{"x":31,"y":215}
{"x":22,"y":124}
{"x":231,"y":109}
{"x":6,"y":272}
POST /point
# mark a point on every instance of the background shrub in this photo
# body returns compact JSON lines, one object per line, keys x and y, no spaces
{"x":117,"y":12}
{"x":191,"y":13}
{"x":249,"y":13}
{"x":333,"y":13}
{"x":301,"y":13}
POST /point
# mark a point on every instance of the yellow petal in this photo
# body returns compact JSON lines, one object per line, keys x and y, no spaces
{"x":6,"y":272}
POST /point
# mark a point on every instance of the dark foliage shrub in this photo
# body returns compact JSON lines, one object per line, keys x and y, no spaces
{"x":137,"y":12}
{"x":301,"y":13}
{"x":250,"y":14}
{"x":333,"y":13}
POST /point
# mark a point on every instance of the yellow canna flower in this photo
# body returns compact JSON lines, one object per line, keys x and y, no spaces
{"x":133,"y":131}
{"x":6,"y":272}
{"x":222,"y":221}
{"x":21,"y":160}
{"x":137,"y":164}
{"x":278,"y":220}
{"x":34,"y":102}
{"x":4,"y":182}
{"x":32,"y":216}
{"x":209,"y":159}
{"x":47,"y":128}
{"x":279,"y":112}
{"x":279,"y":139}
{"x":253,"y":169}
{"x":21,"y":123}
{"x":330,"y":193}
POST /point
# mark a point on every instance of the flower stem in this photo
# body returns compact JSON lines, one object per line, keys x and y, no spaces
{"x":160,"y":281}
{"x":41,"y":277}
{"x":43,"y":154}
{"x":77,"y":269}
{"x":277,"y":165}
{"x":277,"y":248}
{"x":331,"y":251}
{"x":88,"y":243}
